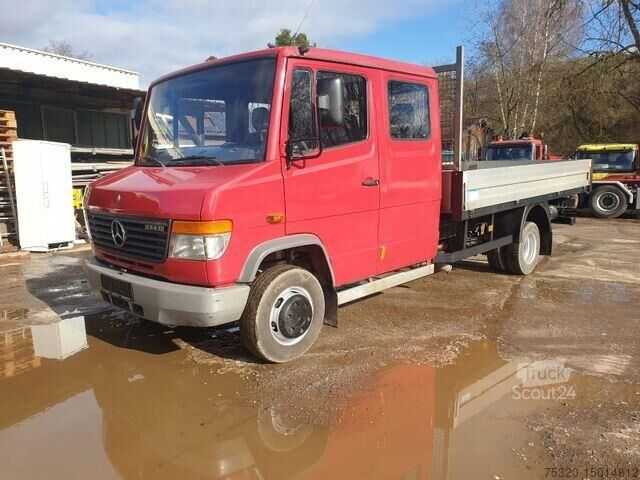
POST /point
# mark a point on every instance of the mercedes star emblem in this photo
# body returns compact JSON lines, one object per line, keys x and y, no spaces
{"x":118,"y":233}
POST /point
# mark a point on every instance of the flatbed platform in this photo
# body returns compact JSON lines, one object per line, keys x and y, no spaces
{"x":486,"y":186}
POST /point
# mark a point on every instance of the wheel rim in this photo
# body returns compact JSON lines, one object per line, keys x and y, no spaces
{"x":608,"y":202}
{"x":530,"y":248}
{"x":291,"y":316}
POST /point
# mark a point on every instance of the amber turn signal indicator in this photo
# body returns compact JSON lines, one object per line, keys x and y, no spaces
{"x":274,"y":218}
{"x":202,"y":228}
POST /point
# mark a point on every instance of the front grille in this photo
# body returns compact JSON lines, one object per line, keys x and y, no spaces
{"x":145,"y":239}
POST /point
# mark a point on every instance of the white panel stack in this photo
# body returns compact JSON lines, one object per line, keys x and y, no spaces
{"x":43,"y":194}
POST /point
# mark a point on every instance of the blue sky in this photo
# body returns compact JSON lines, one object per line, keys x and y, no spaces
{"x":430,"y":39}
{"x":154,"y":37}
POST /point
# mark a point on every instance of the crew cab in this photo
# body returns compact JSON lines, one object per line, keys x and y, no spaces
{"x":271,"y":187}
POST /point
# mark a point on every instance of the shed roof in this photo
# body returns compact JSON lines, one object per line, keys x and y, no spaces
{"x":57,"y":66}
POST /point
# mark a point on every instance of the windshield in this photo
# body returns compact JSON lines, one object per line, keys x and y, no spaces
{"x":509,"y":152}
{"x":216,"y":116}
{"x":610,"y":161}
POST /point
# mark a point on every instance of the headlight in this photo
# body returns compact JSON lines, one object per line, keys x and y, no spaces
{"x":200,"y":240}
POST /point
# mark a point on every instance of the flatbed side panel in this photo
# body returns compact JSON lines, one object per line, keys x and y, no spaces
{"x":493,"y":186}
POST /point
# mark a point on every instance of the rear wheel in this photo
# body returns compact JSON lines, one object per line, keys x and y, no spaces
{"x":608,"y":202}
{"x":284,"y":314}
{"x":522,"y":256}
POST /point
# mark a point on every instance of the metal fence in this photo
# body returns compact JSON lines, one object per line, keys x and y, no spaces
{"x":451,"y":91}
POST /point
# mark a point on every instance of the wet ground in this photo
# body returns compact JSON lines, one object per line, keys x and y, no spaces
{"x":462,"y":375}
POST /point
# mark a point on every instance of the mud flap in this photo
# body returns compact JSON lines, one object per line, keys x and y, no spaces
{"x":331,"y":308}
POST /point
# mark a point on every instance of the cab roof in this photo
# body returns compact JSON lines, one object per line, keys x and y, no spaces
{"x":519,"y":141}
{"x":322,"y":54}
{"x":603,"y":147}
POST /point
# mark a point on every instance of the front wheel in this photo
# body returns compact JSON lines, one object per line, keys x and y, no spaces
{"x":608,"y":202}
{"x":284,"y":314}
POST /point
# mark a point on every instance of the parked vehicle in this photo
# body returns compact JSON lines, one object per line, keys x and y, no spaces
{"x":616,"y":178}
{"x":273,"y":186}
{"x":523,"y":149}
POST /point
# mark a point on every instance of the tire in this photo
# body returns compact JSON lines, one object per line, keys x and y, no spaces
{"x":284,"y":314}
{"x":521,"y":257}
{"x":496,"y":261}
{"x":608,"y":202}
{"x":280,"y":435}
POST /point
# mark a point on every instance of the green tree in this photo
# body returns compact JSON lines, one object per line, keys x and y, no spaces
{"x":286,"y":39}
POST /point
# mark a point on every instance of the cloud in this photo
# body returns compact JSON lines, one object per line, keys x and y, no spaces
{"x":154,"y":37}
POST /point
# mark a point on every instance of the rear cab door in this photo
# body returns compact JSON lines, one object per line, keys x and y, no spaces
{"x":410,"y":175}
{"x":335,"y":192}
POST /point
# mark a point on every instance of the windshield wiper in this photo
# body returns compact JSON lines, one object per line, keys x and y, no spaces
{"x":154,"y":160}
{"x":198,"y":159}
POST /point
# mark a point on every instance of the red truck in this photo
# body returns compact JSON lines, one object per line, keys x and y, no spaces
{"x":528,"y":148}
{"x":270,"y":187}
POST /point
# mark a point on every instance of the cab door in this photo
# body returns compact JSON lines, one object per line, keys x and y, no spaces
{"x":410,"y":171}
{"x":332,"y":187}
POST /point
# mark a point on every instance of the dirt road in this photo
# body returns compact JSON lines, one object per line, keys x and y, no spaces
{"x":467,"y":374}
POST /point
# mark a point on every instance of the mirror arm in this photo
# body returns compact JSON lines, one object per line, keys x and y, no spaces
{"x":289,"y":150}
{"x":289,"y":154}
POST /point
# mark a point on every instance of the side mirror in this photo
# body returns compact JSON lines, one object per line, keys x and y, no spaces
{"x":330,"y":104}
{"x":136,"y":120}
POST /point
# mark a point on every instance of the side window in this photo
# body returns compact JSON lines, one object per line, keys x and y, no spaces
{"x":354,"y":128}
{"x":408,"y":110}
{"x":301,"y":119}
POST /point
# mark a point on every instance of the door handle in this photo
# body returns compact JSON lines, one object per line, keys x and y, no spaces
{"x":370,"y":182}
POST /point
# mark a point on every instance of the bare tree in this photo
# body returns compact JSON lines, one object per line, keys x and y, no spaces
{"x":520,"y":39}
{"x":612,"y":26}
{"x":65,"y":49}
{"x":573,"y":77}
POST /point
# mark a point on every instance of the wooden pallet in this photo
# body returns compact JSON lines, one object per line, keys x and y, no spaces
{"x":8,"y":222}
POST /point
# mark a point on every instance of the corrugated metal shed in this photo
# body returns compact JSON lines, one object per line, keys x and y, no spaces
{"x":57,"y":66}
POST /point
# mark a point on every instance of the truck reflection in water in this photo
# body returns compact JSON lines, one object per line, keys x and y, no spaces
{"x":130,"y":414}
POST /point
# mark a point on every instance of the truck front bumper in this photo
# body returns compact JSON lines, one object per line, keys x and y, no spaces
{"x":168,"y":303}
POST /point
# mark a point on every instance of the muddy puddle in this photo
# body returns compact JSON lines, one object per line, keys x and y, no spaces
{"x":80,"y":399}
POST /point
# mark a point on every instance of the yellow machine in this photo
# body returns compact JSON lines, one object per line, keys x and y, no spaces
{"x":616,"y":178}
{"x":78,"y":194}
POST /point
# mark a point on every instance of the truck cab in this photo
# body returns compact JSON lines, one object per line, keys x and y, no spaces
{"x":265,"y":167}
{"x":616,"y":178}
{"x":524,"y":149}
